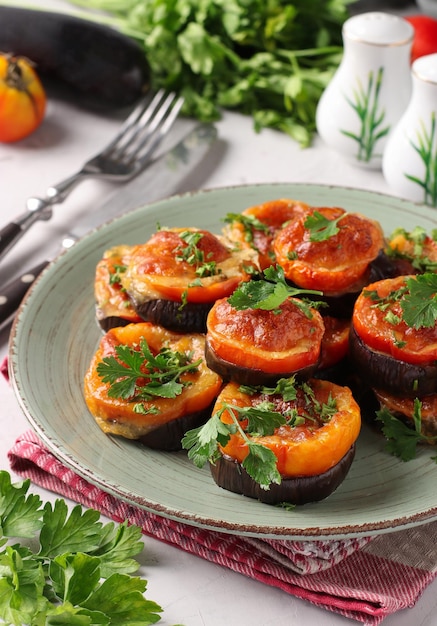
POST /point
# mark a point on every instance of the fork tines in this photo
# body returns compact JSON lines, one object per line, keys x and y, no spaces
{"x":144,"y":129}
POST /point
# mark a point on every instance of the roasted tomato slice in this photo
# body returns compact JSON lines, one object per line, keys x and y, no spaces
{"x":333,"y":261}
{"x":258,"y":225}
{"x":119,"y":416}
{"x":277,"y":342}
{"x":310,"y":448}
{"x":335,"y":341}
{"x":112,"y":301}
{"x":404,"y":409}
{"x":185,"y":265}
{"x":378,"y":321}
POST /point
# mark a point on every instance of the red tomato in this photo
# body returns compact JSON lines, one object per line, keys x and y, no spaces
{"x":22,"y":98}
{"x":272,"y":215}
{"x":425,"y":35}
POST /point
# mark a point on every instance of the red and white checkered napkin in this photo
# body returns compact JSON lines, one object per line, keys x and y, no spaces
{"x":364,"y":579}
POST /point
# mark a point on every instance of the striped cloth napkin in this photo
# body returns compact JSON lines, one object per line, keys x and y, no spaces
{"x":363,"y":579}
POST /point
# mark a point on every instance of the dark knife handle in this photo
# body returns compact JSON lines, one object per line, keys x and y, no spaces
{"x":9,"y":234}
{"x":13,"y":292}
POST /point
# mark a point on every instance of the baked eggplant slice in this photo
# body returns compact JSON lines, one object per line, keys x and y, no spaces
{"x":113,"y":307}
{"x":146,"y":383}
{"x":177,"y":275}
{"x":291,"y":443}
{"x":259,"y":346}
{"x":257,"y":226}
{"x":393,"y":339}
{"x":328,"y":250}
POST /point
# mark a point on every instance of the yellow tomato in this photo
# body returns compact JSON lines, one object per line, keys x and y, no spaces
{"x":22,"y":98}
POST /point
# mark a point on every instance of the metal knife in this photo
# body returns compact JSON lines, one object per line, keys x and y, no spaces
{"x":162,"y":177}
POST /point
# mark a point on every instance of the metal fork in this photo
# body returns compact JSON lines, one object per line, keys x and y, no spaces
{"x":123,"y":158}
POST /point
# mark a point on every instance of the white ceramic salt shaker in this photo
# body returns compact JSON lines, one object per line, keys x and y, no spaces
{"x":370,"y":89}
{"x":410,"y":157}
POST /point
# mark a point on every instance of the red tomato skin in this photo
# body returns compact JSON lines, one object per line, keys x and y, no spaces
{"x":425,"y":35}
{"x":22,"y":99}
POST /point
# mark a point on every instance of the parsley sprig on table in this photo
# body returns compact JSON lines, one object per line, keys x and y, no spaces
{"x":67,"y":567}
{"x":260,"y":420}
{"x":402,"y":440}
{"x":138,"y":374}
{"x":269,"y":291}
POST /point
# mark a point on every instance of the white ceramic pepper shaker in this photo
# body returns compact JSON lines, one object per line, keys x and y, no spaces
{"x":370,"y":89}
{"x":410,"y":157}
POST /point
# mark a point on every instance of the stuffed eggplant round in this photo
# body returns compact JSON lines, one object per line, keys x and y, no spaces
{"x":329,"y":250}
{"x":405,"y":410}
{"x":312,"y":448}
{"x":144,"y":382}
{"x":389,"y":346}
{"x":258,"y":346}
{"x":257,"y":226}
{"x":113,"y":306}
{"x":176,"y":276}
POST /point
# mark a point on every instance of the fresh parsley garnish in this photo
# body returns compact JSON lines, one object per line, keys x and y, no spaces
{"x":260,"y":419}
{"x":115,"y":276}
{"x":417,"y":238}
{"x":419,"y":305}
{"x":250,"y":224}
{"x":67,"y":567}
{"x":193,"y":255}
{"x":268,"y":293}
{"x":136,"y":374}
{"x":402,"y":440}
{"x":321,"y":228}
{"x":417,"y":298}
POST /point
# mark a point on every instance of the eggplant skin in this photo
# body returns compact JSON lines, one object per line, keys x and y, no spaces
{"x":385,"y":372}
{"x":187,"y":318}
{"x":107,"y":323}
{"x":231,"y":475}
{"x":386,"y":266}
{"x":246,"y":375}
{"x":168,"y":437}
{"x":95,"y":64}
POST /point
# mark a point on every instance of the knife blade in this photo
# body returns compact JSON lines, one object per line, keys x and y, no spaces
{"x":163,"y":177}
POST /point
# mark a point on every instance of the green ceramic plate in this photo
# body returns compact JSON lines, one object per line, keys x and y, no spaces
{"x":55,"y":336}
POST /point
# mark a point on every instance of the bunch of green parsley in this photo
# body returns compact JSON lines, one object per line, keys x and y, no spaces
{"x":270,"y":59}
{"x":66,"y":567}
